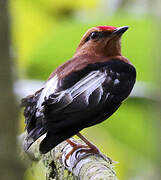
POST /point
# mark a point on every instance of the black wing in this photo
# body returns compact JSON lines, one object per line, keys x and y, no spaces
{"x":93,"y":85}
{"x":85,"y":98}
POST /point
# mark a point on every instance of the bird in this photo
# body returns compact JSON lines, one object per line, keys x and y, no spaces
{"x":84,"y":91}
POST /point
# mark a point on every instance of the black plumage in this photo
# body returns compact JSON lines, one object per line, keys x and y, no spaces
{"x":81,"y":99}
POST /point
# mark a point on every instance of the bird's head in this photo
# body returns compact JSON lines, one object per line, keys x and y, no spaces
{"x":101,"y":41}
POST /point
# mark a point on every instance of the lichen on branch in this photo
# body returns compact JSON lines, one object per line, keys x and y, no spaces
{"x":80,"y":164}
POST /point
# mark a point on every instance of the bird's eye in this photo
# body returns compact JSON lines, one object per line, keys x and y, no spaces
{"x":93,"y":35}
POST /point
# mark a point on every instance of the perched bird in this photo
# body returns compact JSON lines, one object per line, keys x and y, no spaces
{"x":82,"y":92}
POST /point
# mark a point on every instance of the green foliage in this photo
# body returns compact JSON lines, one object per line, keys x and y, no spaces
{"x":58,"y":47}
{"x":33,"y":22}
{"x":131,"y":124}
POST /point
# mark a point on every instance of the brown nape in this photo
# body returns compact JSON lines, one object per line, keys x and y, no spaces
{"x":79,"y":62}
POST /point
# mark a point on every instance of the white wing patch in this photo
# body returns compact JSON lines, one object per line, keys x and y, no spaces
{"x":116,"y":81}
{"x":49,"y":88}
{"x":88,"y":85}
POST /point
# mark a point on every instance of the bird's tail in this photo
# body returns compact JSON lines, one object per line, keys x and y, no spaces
{"x":33,"y":136}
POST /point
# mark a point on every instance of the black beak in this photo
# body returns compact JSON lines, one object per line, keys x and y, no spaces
{"x":120,"y":30}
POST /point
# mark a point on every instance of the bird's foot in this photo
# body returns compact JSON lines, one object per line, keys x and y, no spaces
{"x":93,"y":148}
{"x":75,"y":146}
{"x":85,"y":150}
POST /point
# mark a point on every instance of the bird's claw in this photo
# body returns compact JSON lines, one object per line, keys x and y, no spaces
{"x":85,"y":150}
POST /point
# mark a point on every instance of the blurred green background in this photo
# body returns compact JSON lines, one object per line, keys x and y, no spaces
{"x":45,"y":33}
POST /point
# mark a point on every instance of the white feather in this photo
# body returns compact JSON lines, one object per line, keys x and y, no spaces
{"x":116,"y":81}
{"x":88,"y":84}
{"x":49,"y":88}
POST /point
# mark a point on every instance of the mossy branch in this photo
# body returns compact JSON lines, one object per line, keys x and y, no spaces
{"x":79,"y":165}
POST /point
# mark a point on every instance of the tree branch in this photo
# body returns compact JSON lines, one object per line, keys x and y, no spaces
{"x":79,"y":165}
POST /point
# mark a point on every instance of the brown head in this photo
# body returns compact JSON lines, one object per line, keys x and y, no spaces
{"x":99,"y":44}
{"x":101,"y":41}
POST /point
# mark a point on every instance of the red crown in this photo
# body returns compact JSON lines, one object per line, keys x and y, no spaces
{"x":110,"y":28}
